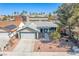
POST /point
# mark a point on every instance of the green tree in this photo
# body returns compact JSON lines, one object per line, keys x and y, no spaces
{"x":15,"y":13}
{"x":49,"y":17}
{"x":23,"y":12}
{"x":5,"y":18}
{"x":56,"y":34}
{"x":68,"y":15}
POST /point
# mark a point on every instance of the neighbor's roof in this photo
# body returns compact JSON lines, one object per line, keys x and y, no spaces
{"x":2,"y":30}
{"x":16,"y":22}
{"x":10,"y":25}
{"x":8,"y":28}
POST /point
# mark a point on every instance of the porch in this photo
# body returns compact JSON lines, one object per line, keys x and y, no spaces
{"x":45,"y":33}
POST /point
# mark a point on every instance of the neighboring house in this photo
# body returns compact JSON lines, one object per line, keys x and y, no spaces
{"x":4,"y":38}
{"x":1,"y":17}
{"x":33,"y":18}
{"x":8,"y":26}
{"x":38,"y":18}
{"x":3,"y":34}
{"x":4,"y":31}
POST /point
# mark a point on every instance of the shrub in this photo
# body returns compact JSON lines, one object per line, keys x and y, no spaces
{"x":55,"y":35}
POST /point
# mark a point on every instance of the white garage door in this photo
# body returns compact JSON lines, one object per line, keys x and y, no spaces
{"x":4,"y":36}
{"x":27,"y":35}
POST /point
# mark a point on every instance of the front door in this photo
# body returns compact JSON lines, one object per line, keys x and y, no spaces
{"x":46,"y":36}
{"x":44,"y":33}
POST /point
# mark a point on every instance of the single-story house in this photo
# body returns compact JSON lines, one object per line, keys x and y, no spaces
{"x":36,"y":30}
{"x":4,"y":31}
{"x":4,"y":38}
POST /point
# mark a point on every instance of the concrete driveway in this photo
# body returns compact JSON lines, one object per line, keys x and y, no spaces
{"x":24,"y":46}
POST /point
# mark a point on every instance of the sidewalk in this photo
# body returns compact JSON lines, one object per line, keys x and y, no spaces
{"x":38,"y":54}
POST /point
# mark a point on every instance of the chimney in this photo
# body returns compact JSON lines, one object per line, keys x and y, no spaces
{"x":18,"y":20}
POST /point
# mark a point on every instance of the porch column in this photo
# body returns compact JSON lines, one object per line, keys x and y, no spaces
{"x":37,"y":36}
{"x":19,"y":35}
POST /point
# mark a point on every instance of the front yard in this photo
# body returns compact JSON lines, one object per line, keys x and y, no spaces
{"x":49,"y":47}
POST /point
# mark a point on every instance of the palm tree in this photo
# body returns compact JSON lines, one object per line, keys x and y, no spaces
{"x":49,"y":17}
{"x":23,"y":12}
{"x":15,"y":13}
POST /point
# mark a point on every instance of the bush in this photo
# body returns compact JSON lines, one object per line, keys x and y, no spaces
{"x":55,"y":35}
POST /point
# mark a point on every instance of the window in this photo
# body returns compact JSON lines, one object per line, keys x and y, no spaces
{"x":41,"y":30}
{"x":52,"y":29}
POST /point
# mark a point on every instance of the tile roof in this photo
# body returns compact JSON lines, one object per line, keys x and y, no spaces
{"x":28,"y":25}
{"x":45,"y":24}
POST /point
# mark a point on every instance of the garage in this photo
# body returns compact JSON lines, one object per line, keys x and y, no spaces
{"x":29,"y":31}
{"x":28,"y":35}
{"x":4,"y":35}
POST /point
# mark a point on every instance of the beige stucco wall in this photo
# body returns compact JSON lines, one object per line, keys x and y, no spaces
{"x":39,"y":19}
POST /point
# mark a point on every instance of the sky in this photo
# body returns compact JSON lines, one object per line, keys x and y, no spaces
{"x":9,"y":8}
